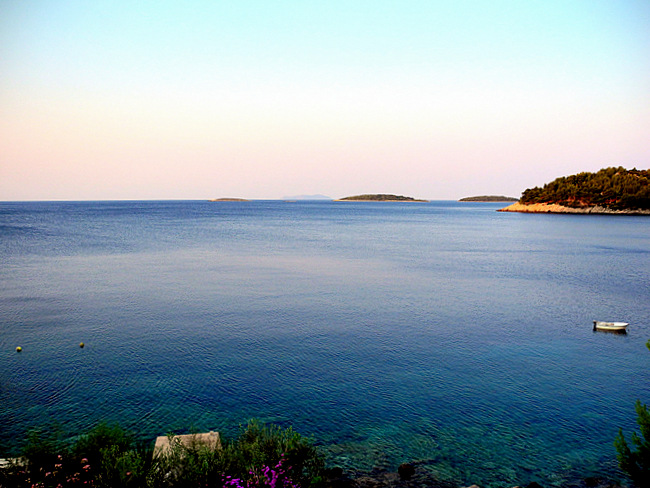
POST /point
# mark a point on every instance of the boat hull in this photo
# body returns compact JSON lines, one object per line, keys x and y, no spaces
{"x":612,"y":326}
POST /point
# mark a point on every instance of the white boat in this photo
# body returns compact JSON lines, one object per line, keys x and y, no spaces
{"x":618,"y":326}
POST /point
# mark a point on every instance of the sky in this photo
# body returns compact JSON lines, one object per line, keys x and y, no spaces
{"x":432,"y":99}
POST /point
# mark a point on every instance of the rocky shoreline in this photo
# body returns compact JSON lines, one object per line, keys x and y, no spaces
{"x":408,"y":475}
{"x":554,"y":208}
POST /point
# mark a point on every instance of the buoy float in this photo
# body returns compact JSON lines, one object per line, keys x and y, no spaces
{"x":81,"y":344}
{"x":18,"y":349}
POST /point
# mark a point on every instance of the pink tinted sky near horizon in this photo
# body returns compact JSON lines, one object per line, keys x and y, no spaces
{"x":438,"y":100}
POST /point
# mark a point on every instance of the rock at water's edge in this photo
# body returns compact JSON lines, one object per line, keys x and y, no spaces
{"x":560,"y":209}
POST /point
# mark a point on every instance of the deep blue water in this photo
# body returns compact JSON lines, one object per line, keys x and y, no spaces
{"x":440,"y":332}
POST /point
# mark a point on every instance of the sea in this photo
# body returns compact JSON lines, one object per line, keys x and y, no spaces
{"x":445,"y":334}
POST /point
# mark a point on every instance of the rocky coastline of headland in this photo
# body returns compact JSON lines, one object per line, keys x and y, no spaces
{"x":561,"y":209}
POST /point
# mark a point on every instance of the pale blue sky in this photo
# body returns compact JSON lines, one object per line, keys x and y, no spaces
{"x":103,"y":100}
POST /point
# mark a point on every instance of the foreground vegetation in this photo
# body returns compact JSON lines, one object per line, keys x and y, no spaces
{"x":260,"y":456}
{"x":636,"y":463}
{"x":614,"y":188}
{"x":108,"y":457}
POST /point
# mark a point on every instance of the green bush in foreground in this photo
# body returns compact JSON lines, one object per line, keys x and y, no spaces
{"x":105,"y":457}
{"x":636,"y":463}
{"x":256,"y":447}
{"x":108,"y":456}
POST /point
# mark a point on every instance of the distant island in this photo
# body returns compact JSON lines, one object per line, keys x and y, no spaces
{"x":307,"y":197}
{"x":380,"y":197}
{"x":229,"y":200}
{"x":489,"y":198}
{"x":609,"y":191}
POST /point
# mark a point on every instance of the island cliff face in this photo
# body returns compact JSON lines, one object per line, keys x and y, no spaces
{"x":609,"y":191}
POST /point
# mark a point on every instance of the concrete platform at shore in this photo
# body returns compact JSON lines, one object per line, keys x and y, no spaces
{"x":164,"y":443}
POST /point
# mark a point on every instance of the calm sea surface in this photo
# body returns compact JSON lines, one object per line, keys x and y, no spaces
{"x":441,"y":332}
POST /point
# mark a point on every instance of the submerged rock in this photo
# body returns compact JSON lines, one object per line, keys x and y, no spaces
{"x":416,"y":477}
{"x":406,"y":471}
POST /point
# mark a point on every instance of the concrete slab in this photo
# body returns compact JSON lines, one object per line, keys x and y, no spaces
{"x":210,"y":439}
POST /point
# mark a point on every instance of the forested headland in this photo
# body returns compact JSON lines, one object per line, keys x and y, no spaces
{"x":610,"y":188}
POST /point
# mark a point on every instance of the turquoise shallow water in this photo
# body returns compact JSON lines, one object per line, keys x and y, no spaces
{"x":440,"y":332}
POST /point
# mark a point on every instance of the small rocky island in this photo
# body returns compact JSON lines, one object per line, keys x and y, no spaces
{"x":489,"y":198}
{"x":609,"y":191}
{"x":227,"y":199}
{"x":380,"y":197}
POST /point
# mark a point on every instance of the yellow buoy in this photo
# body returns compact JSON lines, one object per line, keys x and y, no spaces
{"x":18,"y":349}
{"x":81,"y":344}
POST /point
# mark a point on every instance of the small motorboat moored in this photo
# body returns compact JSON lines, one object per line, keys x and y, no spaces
{"x":614,"y":326}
